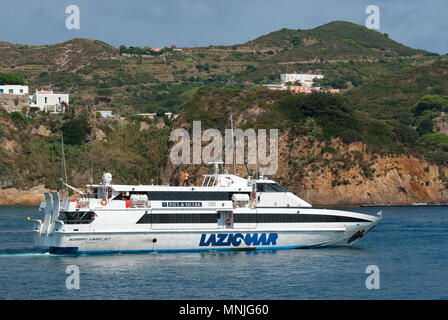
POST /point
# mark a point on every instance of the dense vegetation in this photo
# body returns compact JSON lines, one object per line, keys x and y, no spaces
{"x":75,"y":131}
{"x":334,"y":40}
{"x":10,"y":78}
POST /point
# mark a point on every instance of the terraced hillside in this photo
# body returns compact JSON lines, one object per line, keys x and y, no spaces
{"x":388,"y":127}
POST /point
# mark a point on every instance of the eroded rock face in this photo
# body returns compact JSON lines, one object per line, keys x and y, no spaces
{"x":397,"y":180}
{"x":99,"y":134}
{"x":143,"y":125}
{"x":352,"y":176}
{"x":41,"y":131}
{"x":338,"y":174}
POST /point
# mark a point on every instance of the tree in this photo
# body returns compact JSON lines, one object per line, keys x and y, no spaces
{"x":430,"y":102}
{"x":424,"y":125}
{"x":75,"y":131}
{"x":297,"y":41}
{"x":104,"y":92}
{"x":11,"y":78}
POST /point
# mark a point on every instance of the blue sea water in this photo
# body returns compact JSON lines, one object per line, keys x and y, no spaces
{"x":409,"y":246}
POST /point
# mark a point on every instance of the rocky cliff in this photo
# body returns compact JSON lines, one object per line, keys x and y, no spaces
{"x":353,"y":176}
{"x":337,"y":174}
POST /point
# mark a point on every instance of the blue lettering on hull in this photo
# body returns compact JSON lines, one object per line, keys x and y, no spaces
{"x":235,"y":239}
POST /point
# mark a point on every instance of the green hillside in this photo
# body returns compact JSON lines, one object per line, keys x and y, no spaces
{"x":321,"y":116}
{"x":393,"y":99}
{"x":393,"y":95}
{"x":333,"y":41}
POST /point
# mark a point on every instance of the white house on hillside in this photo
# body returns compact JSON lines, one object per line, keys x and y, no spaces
{"x":13,"y":89}
{"x":49,"y":101}
{"x":147,"y":115}
{"x":306,"y":80}
{"x":105,"y":113}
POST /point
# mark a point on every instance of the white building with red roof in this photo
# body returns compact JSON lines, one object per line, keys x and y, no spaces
{"x":48,"y":101}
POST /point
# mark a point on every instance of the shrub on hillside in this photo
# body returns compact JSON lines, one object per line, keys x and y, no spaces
{"x":11,"y":78}
{"x":430,"y":102}
{"x":75,"y":131}
{"x":329,"y":111}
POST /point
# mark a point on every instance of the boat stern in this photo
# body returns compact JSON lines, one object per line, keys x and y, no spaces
{"x":43,"y":231}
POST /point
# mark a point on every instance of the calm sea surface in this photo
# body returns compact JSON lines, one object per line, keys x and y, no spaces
{"x":409,"y":246}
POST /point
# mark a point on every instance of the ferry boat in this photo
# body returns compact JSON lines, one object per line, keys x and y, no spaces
{"x":227,"y":212}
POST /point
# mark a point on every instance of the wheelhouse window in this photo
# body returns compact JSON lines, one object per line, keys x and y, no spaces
{"x":270,"y":187}
{"x":78,"y":217}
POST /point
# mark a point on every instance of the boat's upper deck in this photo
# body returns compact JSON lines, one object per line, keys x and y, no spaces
{"x":220,"y":190}
{"x":218,"y":182}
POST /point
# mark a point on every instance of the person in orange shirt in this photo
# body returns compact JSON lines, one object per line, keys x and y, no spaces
{"x":185,"y":182}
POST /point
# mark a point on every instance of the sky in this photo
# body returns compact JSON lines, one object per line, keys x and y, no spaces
{"x":421,"y":24}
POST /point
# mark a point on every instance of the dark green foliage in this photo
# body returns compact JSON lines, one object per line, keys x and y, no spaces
{"x":424,"y":125}
{"x":297,"y":41}
{"x":11,"y":78}
{"x":18,"y":119}
{"x":379,"y":135}
{"x":335,"y":118}
{"x":403,"y":93}
{"x":104,"y":92}
{"x":201,"y":67}
{"x":329,"y":111}
{"x":437,"y":140}
{"x":430,"y":102}
{"x":61,"y":80}
{"x":76,"y":131}
{"x":405,"y":134}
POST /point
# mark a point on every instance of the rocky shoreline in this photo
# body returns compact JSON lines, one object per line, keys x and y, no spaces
{"x":16,"y":197}
{"x":35,"y":195}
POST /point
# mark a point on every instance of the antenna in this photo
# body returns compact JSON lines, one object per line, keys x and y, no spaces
{"x":91,"y":162}
{"x":63,"y":168}
{"x":247,"y":168}
{"x":91,"y":146}
{"x":233,"y":144}
{"x":256,"y":166}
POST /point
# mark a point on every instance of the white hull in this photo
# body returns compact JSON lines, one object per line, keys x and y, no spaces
{"x":260,"y":238}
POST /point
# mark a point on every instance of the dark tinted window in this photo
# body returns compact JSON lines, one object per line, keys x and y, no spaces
{"x":270,"y":187}
{"x":277,"y":188}
{"x":238,"y":218}
{"x":164,"y":218}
